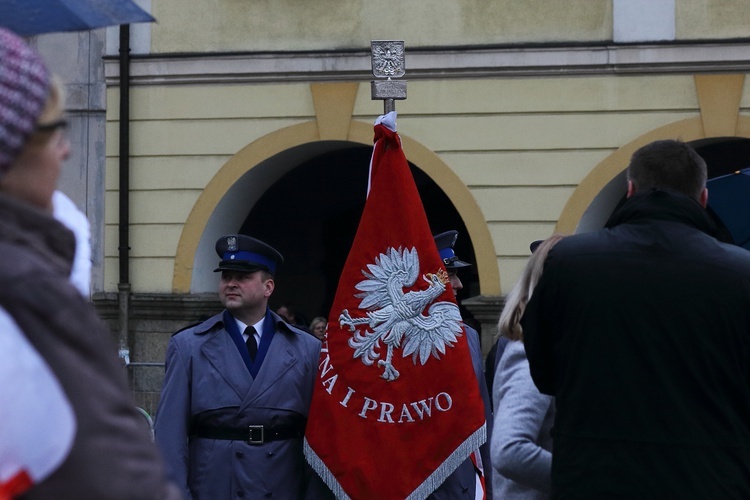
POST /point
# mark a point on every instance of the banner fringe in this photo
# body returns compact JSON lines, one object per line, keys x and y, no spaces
{"x":473,"y":442}
{"x":322,"y":470}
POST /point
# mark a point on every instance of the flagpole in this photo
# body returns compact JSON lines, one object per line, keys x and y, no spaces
{"x":388,"y":62}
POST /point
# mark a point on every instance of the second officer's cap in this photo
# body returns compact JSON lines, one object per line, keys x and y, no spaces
{"x":444,"y":242}
{"x":243,"y":253}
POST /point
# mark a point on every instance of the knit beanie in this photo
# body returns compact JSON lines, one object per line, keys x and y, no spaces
{"x":24,"y":89}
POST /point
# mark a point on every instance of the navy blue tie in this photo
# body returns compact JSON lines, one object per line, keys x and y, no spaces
{"x":252,"y":345}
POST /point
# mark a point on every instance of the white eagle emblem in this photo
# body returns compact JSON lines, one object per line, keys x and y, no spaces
{"x":395,"y":316}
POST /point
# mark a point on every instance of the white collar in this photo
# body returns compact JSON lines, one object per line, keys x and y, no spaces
{"x":258,"y":327}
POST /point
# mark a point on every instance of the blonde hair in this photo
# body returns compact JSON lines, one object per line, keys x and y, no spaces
{"x":54,"y":107}
{"x":515,"y":302}
{"x":52,"y":111}
{"x":316,"y":320}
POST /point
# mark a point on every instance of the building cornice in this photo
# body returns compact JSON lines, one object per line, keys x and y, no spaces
{"x":479,"y":62}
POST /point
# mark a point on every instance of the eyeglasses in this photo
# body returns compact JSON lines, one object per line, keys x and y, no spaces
{"x":51,"y":127}
{"x":46,"y":134}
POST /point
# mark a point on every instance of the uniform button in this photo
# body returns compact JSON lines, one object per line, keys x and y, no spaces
{"x":270,"y":453}
{"x":239,"y":454}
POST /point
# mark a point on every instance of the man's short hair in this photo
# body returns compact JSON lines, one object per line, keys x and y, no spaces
{"x":668,"y":164}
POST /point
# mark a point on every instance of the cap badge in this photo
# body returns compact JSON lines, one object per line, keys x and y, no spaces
{"x":232,"y":243}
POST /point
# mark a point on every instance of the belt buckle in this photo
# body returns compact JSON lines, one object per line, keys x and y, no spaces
{"x":255,"y":434}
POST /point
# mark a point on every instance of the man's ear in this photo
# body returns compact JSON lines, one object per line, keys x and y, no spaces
{"x":269,"y":286}
{"x":631,"y":189}
{"x":703,"y":198}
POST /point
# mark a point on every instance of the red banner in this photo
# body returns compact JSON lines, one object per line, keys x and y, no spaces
{"x":396,"y":407}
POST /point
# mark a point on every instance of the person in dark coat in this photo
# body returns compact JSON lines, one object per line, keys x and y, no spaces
{"x":641,"y":331}
{"x":238,"y":387}
{"x":69,"y":427}
{"x":466,"y":481}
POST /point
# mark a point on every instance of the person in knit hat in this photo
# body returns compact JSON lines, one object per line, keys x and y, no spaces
{"x":70,"y":427}
{"x":24,"y":90}
{"x":32,"y":146}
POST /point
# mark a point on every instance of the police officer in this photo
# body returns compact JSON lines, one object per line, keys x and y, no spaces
{"x":466,"y":481}
{"x":237,"y":388}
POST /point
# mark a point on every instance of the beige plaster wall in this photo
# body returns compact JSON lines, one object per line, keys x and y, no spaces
{"x":267,"y":25}
{"x":521,"y":146}
{"x":180,"y":137}
{"x":291,"y":25}
{"x":706,"y":19}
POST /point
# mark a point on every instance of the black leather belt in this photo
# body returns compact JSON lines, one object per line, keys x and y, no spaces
{"x":252,"y":434}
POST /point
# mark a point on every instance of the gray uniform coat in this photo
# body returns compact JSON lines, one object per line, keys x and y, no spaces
{"x":207,"y":381}
{"x":462,"y":483}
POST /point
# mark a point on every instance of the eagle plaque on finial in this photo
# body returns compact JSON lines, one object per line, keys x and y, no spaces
{"x":388,"y":62}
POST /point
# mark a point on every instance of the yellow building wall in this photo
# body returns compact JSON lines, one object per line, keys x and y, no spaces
{"x":707,"y":19}
{"x":180,"y":136}
{"x":291,"y":25}
{"x":521,"y":146}
{"x":267,"y":25}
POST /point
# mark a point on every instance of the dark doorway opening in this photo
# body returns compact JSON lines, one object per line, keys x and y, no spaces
{"x":311,"y":216}
{"x":723,"y":155}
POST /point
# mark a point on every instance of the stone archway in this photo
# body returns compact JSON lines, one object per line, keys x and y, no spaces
{"x":260,"y":164}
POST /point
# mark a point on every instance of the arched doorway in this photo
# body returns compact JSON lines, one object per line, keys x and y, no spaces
{"x":311,"y":215}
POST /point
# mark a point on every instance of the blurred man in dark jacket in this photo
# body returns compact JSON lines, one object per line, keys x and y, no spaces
{"x":641,"y":331}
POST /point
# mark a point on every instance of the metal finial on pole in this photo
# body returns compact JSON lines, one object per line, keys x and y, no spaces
{"x":388,"y":62}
